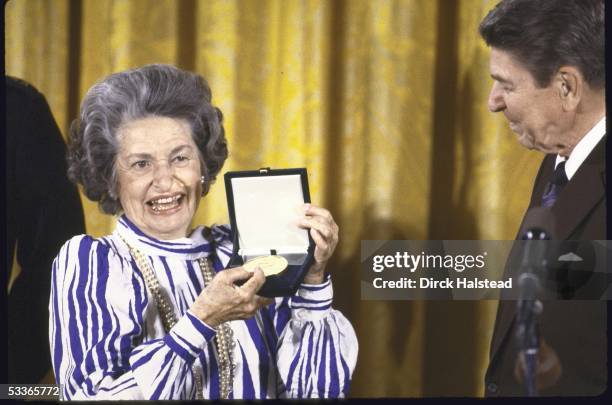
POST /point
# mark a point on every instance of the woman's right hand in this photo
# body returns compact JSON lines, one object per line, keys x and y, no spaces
{"x":223,"y":301}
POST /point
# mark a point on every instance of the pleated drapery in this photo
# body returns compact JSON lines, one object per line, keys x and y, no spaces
{"x":385,"y":103}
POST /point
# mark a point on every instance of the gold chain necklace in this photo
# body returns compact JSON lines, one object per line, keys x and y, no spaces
{"x":224,"y":337}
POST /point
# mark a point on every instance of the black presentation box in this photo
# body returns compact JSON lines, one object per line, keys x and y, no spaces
{"x":264,"y":207}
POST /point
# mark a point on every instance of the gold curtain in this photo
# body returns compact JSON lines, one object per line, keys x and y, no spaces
{"x":383,"y":101}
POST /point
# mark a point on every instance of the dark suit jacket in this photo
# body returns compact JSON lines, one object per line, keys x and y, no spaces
{"x":575,"y":329}
{"x":43,"y":211}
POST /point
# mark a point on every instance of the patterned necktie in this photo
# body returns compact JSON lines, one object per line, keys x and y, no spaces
{"x":554,"y":186}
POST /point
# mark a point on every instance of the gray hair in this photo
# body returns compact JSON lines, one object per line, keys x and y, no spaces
{"x":547,"y":34}
{"x":151,"y":90}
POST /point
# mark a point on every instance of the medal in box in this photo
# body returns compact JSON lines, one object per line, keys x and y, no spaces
{"x":265,"y":207}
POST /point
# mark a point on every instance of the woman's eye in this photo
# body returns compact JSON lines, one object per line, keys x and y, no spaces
{"x":141,"y":164}
{"x":181,"y":159}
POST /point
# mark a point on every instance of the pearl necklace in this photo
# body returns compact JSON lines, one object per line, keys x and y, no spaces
{"x":224,"y":337}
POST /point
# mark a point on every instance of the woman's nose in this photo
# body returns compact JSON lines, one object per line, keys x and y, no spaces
{"x":496,"y":101}
{"x":162,"y":177}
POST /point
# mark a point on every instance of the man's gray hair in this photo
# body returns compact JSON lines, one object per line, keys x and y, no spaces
{"x":544,"y":35}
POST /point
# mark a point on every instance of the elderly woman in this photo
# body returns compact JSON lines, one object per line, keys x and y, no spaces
{"x":150,"y":311}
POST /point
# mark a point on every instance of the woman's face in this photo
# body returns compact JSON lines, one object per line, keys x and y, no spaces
{"x":159,"y":175}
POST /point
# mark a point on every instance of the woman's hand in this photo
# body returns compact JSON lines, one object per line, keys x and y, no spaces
{"x":324,"y":232}
{"x":223,"y":301}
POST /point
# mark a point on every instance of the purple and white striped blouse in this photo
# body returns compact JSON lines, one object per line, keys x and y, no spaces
{"x":108,"y":342}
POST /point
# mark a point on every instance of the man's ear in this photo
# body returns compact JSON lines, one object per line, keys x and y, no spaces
{"x":570,"y":86}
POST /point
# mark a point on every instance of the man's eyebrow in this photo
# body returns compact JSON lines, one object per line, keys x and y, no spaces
{"x":499,"y":78}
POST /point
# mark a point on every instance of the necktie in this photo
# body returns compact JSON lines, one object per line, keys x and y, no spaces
{"x":554,"y":186}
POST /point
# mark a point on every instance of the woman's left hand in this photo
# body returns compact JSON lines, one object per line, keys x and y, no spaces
{"x":324,"y":232}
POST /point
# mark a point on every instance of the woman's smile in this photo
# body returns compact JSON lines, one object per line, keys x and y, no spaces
{"x":166,"y":205}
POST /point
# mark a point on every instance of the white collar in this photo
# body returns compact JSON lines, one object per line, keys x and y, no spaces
{"x":583,"y":149}
{"x":189,"y":248}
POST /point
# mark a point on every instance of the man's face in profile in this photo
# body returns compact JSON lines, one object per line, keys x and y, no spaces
{"x":535,"y":114}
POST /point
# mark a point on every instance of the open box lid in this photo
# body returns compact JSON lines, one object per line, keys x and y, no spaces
{"x":265,"y":206}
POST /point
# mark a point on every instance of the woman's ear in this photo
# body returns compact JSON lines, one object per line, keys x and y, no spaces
{"x":113,"y":190}
{"x":204,"y":184}
{"x":205,"y":181}
{"x":570,"y":86}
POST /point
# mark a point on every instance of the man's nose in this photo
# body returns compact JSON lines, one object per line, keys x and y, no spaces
{"x":496,"y":99}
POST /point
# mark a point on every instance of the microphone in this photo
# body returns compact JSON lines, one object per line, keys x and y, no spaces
{"x":537,"y":231}
{"x":538,"y":219}
{"x":533,"y":262}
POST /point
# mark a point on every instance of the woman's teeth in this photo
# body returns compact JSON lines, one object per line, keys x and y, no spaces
{"x":164,"y":204}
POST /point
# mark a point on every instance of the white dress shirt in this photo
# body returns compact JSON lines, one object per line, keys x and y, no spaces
{"x":583,"y":149}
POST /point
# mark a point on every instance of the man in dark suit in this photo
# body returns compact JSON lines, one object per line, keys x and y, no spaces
{"x":43,"y":210}
{"x":547,"y":62}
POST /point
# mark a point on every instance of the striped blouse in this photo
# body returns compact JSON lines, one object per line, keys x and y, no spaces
{"x":108,"y":342}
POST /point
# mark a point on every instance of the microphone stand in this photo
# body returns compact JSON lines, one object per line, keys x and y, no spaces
{"x":529,"y":307}
{"x":529,"y":340}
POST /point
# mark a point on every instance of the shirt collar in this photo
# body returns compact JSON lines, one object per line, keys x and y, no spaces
{"x":191,"y":247}
{"x":583,"y":148}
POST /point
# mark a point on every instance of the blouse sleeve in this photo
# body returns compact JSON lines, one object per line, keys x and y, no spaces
{"x":97,"y":307}
{"x":317,"y":346}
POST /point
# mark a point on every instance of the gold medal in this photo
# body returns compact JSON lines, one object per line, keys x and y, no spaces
{"x":270,"y":265}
